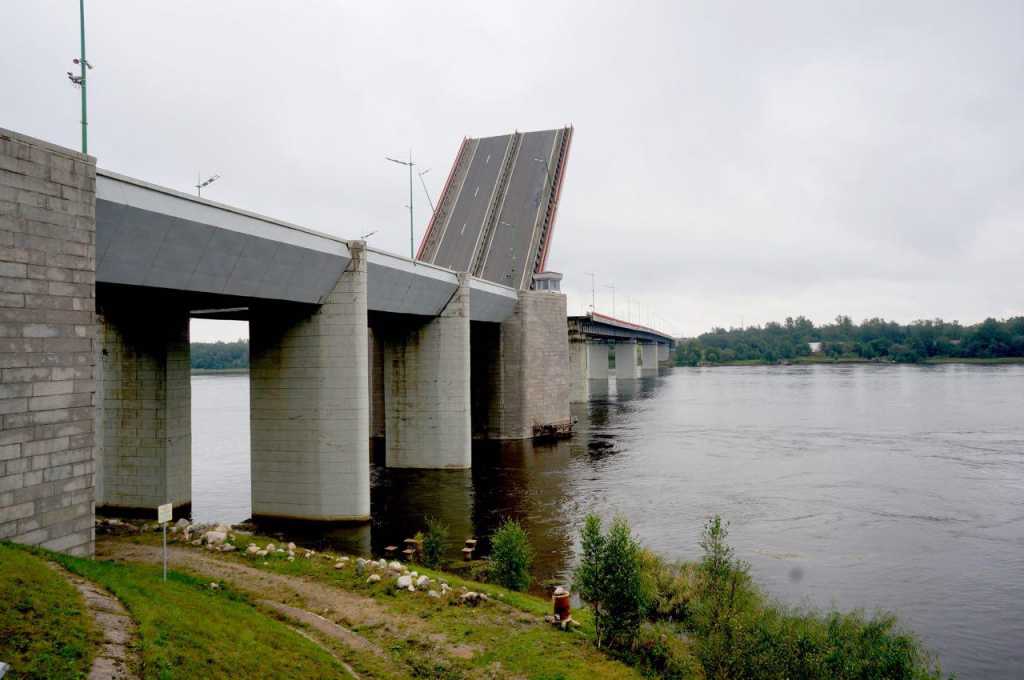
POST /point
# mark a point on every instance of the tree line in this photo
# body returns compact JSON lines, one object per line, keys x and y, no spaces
{"x":872,"y":339}
{"x":219,"y":355}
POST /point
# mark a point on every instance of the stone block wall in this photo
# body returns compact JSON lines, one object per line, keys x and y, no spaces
{"x":47,"y":344}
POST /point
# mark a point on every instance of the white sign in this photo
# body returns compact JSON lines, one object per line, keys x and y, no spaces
{"x":164,"y":512}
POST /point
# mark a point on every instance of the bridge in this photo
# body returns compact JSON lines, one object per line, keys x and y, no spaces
{"x":99,"y":277}
{"x":639,"y":352}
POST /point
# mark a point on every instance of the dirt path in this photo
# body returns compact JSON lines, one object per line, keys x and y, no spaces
{"x":330,"y":611}
{"x":116,"y":659}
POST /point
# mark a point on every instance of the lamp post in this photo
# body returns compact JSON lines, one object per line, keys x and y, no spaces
{"x":200,"y":184}
{"x":593,"y":294}
{"x":408,"y":164}
{"x":613,"y":297}
{"x":79,"y":80}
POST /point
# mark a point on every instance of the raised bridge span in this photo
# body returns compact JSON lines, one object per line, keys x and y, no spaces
{"x":497,"y":210}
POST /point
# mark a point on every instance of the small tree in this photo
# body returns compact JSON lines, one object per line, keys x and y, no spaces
{"x":610,"y":578}
{"x":433,"y":542}
{"x":511,"y":556}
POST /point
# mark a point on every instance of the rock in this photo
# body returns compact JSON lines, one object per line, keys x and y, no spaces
{"x":422,"y":582}
{"x":279,"y":551}
{"x":374,"y":578}
{"x":198,"y":541}
{"x":215,"y":537}
{"x":223,"y":528}
{"x":404,"y":582}
{"x":261,"y":553}
{"x":254,"y":550}
{"x":471,"y":598}
{"x":382,"y":563}
{"x":270,"y":547}
{"x":339,"y":565}
{"x":396,"y":566}
{"x":433,"y":593}
{"x":291,"y":558}
{"x":214,"y":586}
{"x":227,"y":547}
{"x":291,"y":547}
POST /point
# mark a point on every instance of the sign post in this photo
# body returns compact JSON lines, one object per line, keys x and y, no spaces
{"x":163,"y":516}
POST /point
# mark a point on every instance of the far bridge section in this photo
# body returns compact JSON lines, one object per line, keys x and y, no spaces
{"x":639,"y":353}
{"x":497,"y":210}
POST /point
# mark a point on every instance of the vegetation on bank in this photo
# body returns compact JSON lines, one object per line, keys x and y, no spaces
{"x":44,"y":630}
{"x":215,"y":356}
{"x":709,"y":619}
{"x":871,"y":340}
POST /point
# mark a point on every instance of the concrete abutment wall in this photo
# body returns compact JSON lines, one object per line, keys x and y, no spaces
{"x":47,"y":344}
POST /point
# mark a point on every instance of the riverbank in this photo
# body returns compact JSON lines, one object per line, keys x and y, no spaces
{"x":822,"y":360}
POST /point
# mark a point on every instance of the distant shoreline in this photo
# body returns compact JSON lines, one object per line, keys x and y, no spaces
{"x":800,"y":361}
{"x":219,"y":371}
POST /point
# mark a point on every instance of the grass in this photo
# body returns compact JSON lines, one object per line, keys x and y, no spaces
{"x":188,"y":630}
{"x":44,"y":632}
{"x":505,"y":634}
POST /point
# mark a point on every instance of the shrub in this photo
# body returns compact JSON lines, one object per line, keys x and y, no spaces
{"x":511,"y":556}
{"x":434,"y":540}
{"x":610,"y":578}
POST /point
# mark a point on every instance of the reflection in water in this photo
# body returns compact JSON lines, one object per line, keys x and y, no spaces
{"x":880,"y":487}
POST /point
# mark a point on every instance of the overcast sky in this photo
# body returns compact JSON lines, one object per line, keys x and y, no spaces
{"x":731,"y":162}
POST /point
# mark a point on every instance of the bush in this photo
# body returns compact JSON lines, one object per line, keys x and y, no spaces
{"x":511,"y":556}
{"x":434,"y":540}
{"x":610,"y":578}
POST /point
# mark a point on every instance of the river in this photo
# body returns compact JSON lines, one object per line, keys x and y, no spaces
{"x":876,"y":487}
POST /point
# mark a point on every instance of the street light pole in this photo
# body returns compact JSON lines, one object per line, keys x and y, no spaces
{"x":593,"y":294}
{"x":85,"y":115}
{"x":412,"y":239}
{"x":613,"y":297}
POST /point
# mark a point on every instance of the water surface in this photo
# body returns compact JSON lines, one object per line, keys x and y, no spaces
{"x":874,"y":487}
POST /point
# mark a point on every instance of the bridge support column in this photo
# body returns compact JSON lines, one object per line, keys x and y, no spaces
{"x":649,"y":359}
{"x":597,"y":360}
{"x":143,"y":414}
{"x":663,"y":353}
{"x":427,"y":388}
{"x":529,"y":390}
{"x":310,"y":405}
{"x":626,"y":367}
{"x":579,"y":370}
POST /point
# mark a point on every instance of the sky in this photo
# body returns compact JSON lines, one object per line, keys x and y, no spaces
{"x":732,"y":163}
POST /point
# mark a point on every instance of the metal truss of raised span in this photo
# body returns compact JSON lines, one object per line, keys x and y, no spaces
{"x":497,"y":211}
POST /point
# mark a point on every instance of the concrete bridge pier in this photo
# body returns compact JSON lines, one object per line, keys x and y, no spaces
{"x":649,"y":359}
{"x":143,"y":403}
{"x":426,"y":376}
{"x":626,"y":367}
{"x":597,"y":361}
{"x":310,"y":403}
{"x":579,"y":370}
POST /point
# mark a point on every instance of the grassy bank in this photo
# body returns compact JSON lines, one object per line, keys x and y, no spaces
{"x":504,"y":637}
{"x":44,"y":631}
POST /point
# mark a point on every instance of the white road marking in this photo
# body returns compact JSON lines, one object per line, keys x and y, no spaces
{"x":476,"y":192}
{"x":488,"y":159}
{"x":463,"y":229}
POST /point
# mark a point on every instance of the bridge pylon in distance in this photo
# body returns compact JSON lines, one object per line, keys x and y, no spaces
{"x":496,"y":213}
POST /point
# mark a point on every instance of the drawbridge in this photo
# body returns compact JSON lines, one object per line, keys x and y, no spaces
{"x":497,"y":210}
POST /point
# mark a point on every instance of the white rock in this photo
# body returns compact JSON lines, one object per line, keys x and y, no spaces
{"x":291,"y":558}
{"x":382,"y":563}
{"x":433,"y":593}
{"x":396,"y":566}
{"x":422,"y":582}
{"x":373,"y":578}
{"x":253,"y":550}
{"x":291,"y":547}
{"x":214,"y":586}
{"x":215,"y":537}
{"x":262,"y":553}
{"x":404,"y":582}
{"x":339,"y":565}
{"x":270,"y":547}
{"x":198,"y":541}
{"x":223,"y":528}
{"x":280,"y":551}
{"x":227,"y":547}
